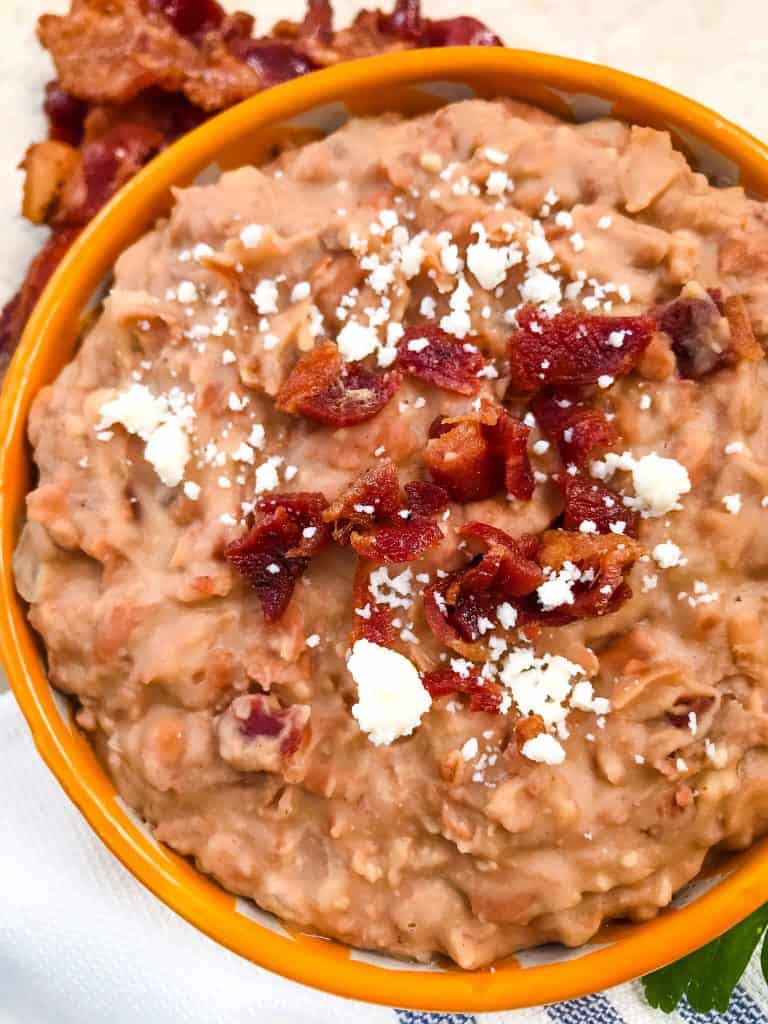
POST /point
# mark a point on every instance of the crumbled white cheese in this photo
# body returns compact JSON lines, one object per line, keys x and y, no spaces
{"x":496,"y":183}
{"x":251,"y":235}
{"x":391,"y":697}
{"x":264,"y":297}
{"x":228,"y":356}
{"x":192,"y":490}
{"x":470,"y":749}
{"x":544,"y":749}
{"x":300,"y":291}
{"x":732,"y":503}
{"x":495,"y":156}
{"x":267,"y":478}
{"x":605,"y":222}
{"x":458,"y":322}
{"x":136,"y":409}
{"x":668,"y":555}
{"x":356,"y":341}
{"x":167,"y":451}
{"x":539,"y":686}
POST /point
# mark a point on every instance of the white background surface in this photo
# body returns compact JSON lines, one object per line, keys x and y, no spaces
{"x":713,"y":50}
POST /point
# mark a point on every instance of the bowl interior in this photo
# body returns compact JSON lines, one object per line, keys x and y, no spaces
{"x":410,"y":83}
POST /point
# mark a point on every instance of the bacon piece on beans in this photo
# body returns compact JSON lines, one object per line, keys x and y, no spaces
{"x":483,"y":695}
{"x":274,"y":553}
{"x":588,"y":501}
{"x":322,"y":388}
{"x":473,"y":457}
{"x":423,"y":498}
{"x":609,"y":556}
{"x":373,"y":496}
{"x":573,"y":349}
{"x":698,"y":331}
{"x":443,"y":361}
{"x":578,"y":429}
{"x":257,"y":734}
{"x":402,"y":541}
{"x":456,"y":606}
{"x":273,"y":62}
{"x":375,"y":622}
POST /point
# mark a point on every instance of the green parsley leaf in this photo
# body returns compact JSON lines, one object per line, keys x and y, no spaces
{"x":709,"y":976}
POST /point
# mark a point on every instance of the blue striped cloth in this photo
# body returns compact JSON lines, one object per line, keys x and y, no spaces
{"x":622,"y":1005}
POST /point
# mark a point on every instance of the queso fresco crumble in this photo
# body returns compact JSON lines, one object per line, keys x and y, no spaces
{"x":401,"y":529}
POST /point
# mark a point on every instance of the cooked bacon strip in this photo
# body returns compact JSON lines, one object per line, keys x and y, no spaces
{"x":578,"y":429}
{"x":274,"y":552}
{"x":572,"y":349}
{"x":322,"y":388}
{"x":190,"y":17}
{"x":473,"y":457}
{"x":375,"y":622}
{"x":65,"y":113}
{"x":407,"y":22}
{"x":402,"y":541}
{"x":443,"y":361}
{"x":423,"y":498}
{"x":456,"y":606}
{"x":609,"y":556}
{"x":698,"y":332}
{"x":483,"y":695}
{"x":18,"y":309}
{"x":374,"y":495}
{"x":589,"y":501}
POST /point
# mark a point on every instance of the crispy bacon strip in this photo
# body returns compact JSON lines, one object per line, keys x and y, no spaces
{"x":324,"y":389}
{"x":609,"y":556}
{"x":403,"y":541}
{"x":275,"y":551}
{"x":370,"y":516}
{"x":423,"y":498}
{"x":432,"y":355}
{"x":572,"y":349}
{"x":473,"y":457}
{"x":461,"y":608}
{"x":370,"y":621}
{"x":589,"y":501}
{"x":578,"y":429}
{"x":483,"y":695}
{"x":374,"y":495}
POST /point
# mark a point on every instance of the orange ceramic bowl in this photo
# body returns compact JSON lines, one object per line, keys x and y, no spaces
{"x":409,"y":82}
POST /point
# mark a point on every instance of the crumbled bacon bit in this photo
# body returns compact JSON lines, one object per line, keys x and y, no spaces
{"x":443,"y":361}
{"x":483,"y":695}
{"x":423,"y":498}
{"x":696,"y":329}
{"x":322,"y":388}
{"x":577,"y":428}
{"x":375,"y":622}
{"x":274,"y":552}
{"x":609,"y":556}
{"x":455,"y":606}
{"x":374,"y":495}
{"x":402,"y":541}
{"x":527,"y":728}
{"x":684,"y":707}
{"x":589,"y":501}
{"x":573,"y":349}
{"x":474,"y":456}
{"x":256,"y":733}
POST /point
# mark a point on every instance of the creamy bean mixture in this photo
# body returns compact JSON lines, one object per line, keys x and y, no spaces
{"x":300,"y":760}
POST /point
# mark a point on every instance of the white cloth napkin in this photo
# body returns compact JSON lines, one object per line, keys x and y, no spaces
{"x":82,"y":942}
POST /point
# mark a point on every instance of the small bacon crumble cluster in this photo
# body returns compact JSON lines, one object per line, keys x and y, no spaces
{"x":135,"y":75}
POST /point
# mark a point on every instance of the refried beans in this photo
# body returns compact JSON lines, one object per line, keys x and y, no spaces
{"x":400,"y":529}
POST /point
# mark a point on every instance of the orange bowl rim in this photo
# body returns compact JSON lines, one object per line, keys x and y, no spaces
{"x":648,"y":946}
